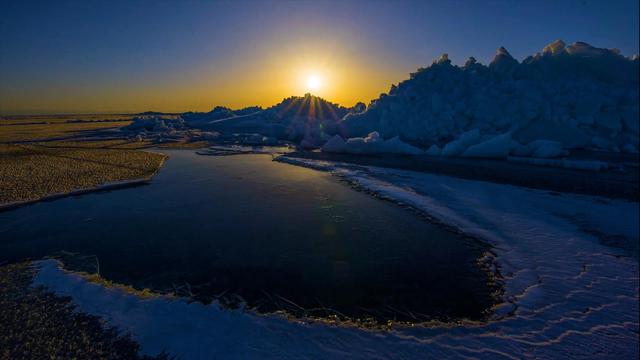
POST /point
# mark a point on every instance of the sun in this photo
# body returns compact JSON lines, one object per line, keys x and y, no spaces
{"x":313,"y":82}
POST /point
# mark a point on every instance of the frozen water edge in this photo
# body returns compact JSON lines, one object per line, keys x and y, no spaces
{"x":556,"y":274}
{"x":565,"y":293}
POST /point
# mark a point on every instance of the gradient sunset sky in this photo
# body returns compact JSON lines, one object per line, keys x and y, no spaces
{"x":174,"y":56}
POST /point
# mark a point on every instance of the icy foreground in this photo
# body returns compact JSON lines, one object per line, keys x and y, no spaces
{"x":566,"y":295}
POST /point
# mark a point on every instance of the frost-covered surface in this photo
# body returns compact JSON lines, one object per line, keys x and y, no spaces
{"x":566,"y":295}
{"x":578,"y":95}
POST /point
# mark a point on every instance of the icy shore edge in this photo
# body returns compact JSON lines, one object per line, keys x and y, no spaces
{"x":566,"y":294}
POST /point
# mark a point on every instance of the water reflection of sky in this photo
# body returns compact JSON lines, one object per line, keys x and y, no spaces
{"x":264,"y":230}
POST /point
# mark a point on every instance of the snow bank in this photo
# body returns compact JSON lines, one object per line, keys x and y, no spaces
{"x":434,"y":150}
{"x":473,"y":145}
{"x":569,"y":94}
{"x":154,"y":124}
{"x":334,"y":145}
{"x":539,"y":149}
{"x":457,"y":147}
{"x":371,"y":144}
{"x":397,"y":146}
{"x":497,"y":147}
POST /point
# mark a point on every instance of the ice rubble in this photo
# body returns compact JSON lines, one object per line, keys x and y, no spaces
{"x":154,"y":123}
{"x":578,"y":95}
{"x":495,"y":147}
{"x":371,"y":144}
{"x":565,"y":293}
{"x":470,"y":145}
{"x":458,"y":146}
{"x":539,"y":149}
{"x":308,"y":120}
{"x":159,"y":128}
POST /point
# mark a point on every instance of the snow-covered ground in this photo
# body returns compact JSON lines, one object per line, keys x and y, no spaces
{"x":566,"y":294}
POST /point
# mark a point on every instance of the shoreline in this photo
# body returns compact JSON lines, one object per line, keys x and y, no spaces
{"x":610,"y":184}
{"x":603,"y":288}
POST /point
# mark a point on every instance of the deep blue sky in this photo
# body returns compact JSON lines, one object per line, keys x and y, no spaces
{"x":101,"y":56}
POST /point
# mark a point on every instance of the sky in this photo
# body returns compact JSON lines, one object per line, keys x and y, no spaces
{"x":174,"y":56}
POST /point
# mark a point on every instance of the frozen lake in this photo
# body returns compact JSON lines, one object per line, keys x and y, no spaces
{"x":272,"y":233}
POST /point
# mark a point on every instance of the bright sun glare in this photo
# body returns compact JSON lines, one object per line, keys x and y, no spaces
{"x":314,"y":82}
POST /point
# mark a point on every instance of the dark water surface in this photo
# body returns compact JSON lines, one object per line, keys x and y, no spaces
{"x":275,"y":234}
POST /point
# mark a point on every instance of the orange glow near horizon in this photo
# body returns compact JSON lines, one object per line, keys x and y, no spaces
{"x":120,"y":58}
{"x":328,"y":72}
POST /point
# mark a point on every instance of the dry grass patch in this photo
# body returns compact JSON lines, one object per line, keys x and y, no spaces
{"x":100,"y":144}
{"x":25,"y":119}
{"x":30,"y":172}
